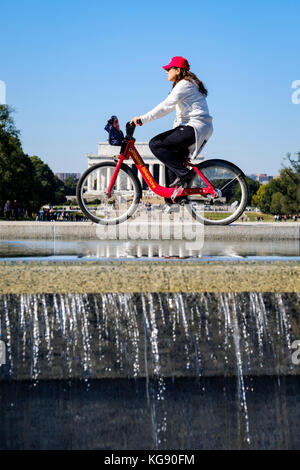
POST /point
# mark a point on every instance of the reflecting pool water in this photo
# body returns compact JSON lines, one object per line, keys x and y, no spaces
{"x":163,"y":249}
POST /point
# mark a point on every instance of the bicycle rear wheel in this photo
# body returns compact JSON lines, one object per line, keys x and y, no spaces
{"x":230,"y":183}
{"x":97,"y":205}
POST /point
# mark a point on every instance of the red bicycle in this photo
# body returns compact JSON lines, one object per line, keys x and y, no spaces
{"x":109,"y":192}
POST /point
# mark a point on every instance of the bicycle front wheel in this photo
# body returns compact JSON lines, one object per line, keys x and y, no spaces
{"x":230,"y":184}
{"x":97,"y":205}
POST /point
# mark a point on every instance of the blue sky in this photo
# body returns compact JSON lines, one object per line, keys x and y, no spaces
{"x":68,"y":65}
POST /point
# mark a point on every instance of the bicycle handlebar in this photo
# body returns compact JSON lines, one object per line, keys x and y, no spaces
{"x":130,"y":128}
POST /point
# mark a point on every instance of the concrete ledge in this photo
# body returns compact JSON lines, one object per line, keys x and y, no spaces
{"x":88,"y":231}
{"x":158,"y":276}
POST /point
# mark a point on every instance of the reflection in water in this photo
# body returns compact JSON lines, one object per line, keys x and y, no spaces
{"x":158,"y":337}
{"x":96,"y":249}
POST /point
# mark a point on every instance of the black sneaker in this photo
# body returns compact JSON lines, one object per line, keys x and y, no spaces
{"x":182,"y":180}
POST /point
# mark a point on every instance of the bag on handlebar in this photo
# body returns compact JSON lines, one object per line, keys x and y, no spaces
{"x":115,"y":135}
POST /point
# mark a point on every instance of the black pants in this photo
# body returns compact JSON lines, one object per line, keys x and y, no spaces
{"x":171,"y":148}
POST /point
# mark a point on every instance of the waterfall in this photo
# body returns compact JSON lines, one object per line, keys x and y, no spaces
{"x":155,"y":337}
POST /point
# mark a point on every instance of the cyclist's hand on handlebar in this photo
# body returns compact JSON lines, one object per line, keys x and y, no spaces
{"x":137,"y":121}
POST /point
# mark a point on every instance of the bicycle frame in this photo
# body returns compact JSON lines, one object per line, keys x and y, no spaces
{"x":131,"y":152}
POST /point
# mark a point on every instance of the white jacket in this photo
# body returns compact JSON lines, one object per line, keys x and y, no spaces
{"x":191,"y":110}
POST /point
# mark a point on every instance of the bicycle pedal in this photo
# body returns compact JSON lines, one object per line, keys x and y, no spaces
{"x":175,"y":194}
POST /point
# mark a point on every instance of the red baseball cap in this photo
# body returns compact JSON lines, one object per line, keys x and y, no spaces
{"x":178,"y":61}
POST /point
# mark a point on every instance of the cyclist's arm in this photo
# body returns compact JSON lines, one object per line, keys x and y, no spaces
{"x":179,"y":92}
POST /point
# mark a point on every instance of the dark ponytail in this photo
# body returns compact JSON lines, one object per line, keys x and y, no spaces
{"x":189,"y":76}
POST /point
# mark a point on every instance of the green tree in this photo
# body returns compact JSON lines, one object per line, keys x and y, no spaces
{"x":47,"y":188}
{"x":266,"y":199}
{"x":27,"y":179}
{"x":258,"y":197}
{"x":15,"y":166}
{"x":252,"y":188}
{"x":233,"y":191}
{"x":7,"y":125}
{"x":281,"y":195}
{"x":277,"y":203}
{"x":70,"y":184}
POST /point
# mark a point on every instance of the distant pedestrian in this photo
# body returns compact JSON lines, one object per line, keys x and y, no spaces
{"x":16,"y":211}
{"x":7,"y":209}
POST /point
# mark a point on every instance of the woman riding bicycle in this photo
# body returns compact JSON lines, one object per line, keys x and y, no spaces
{"x":192,"y":127}
{"x":216,"y":191}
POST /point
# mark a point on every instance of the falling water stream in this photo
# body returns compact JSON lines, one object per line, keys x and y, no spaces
{"x":158,"y":338}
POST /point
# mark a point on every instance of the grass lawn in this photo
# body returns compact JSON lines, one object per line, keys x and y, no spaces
{"x":251,"y":216}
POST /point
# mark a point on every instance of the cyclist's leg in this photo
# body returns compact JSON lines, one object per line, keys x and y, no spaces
{"x":170,"y":177}
{"x":171,"y":148}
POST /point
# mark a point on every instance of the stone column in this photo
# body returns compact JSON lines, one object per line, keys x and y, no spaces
{"x":151,"y":169}
{"x":98,"y":180}
{"x":103,"y":180}
{"x":90,"y":181}
{"x":162,"y":175}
